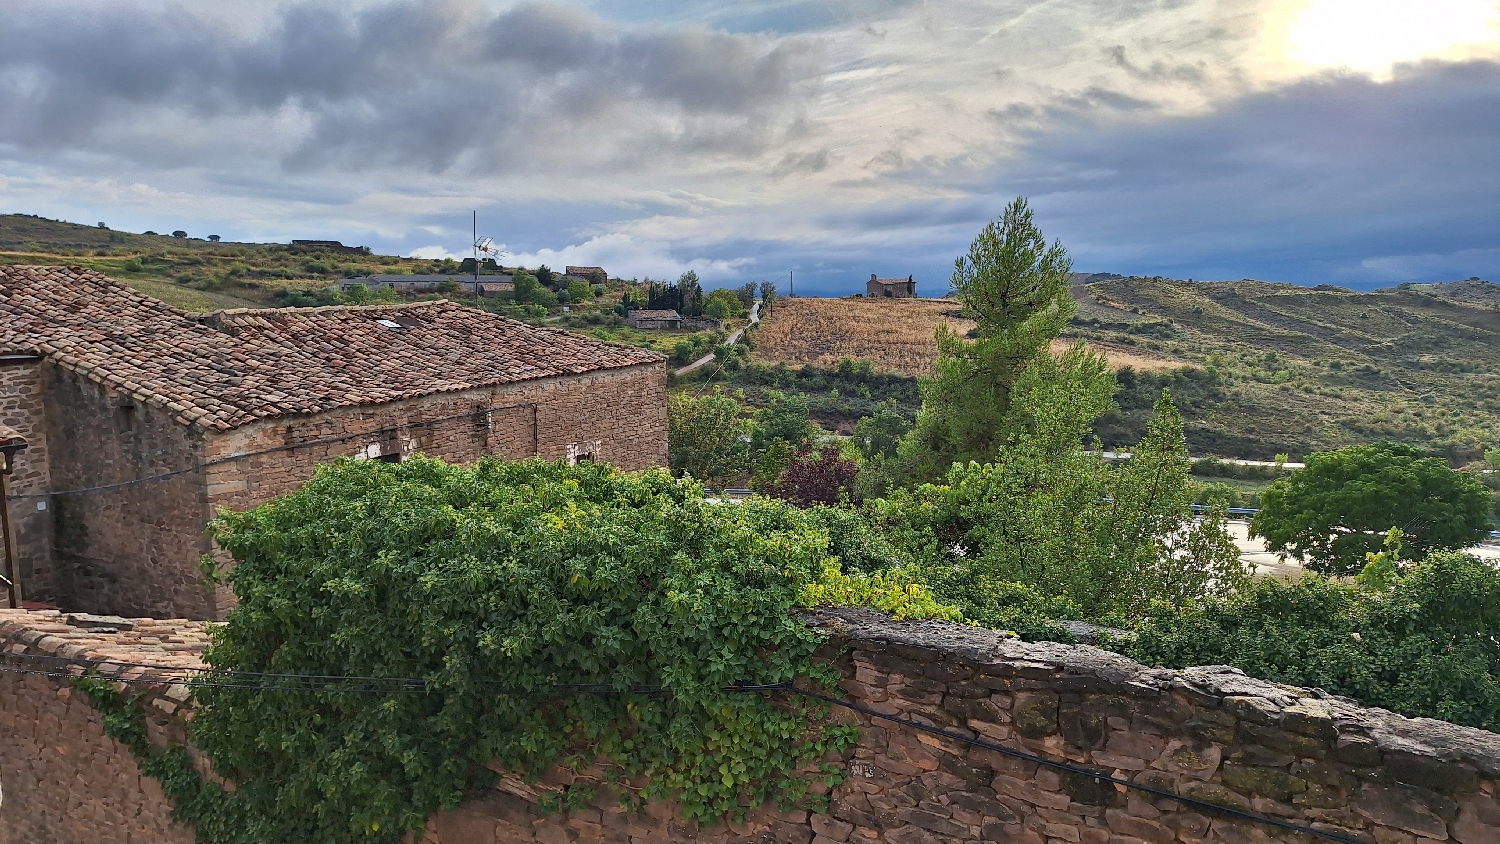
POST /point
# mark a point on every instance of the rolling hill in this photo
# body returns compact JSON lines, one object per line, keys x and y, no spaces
{"x":191,"y":273}
{"x":1257,"y":368}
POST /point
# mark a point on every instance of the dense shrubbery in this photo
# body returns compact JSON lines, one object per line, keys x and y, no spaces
{"x":1426,"y":644}
{"x":1338,"y":509}
{"x":494,"y":584}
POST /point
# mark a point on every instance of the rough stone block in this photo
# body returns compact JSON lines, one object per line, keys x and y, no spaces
{"x":1401,"y":808}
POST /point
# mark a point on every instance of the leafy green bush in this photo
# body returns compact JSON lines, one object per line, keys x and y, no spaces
{"x":1340,"y":507}
{"x":1426,"y":645}
{"x":493,"y":585}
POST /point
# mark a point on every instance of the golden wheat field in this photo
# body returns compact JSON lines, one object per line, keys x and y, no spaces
{"x":897,"y":335}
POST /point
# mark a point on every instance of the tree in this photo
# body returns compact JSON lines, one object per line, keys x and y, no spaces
{"x":1049,"y":518}
{"x":1338,"y":509}
{"x":767,"y":296}
{"x":179,"y":233}
{"x":544,"y":275}
{"x":746,"y":294}
{"x":529,"y":291}
{"x":821,"y":476}
{"x":706,"y":437}
{"x":1015,"y":287}
{"x":781,"y":430}
{"x":722,"y":304}
{"x":1424,"y":643}
{"x":213,"y":238}
{"x":879,"y":435}
{"x":692,"y":293}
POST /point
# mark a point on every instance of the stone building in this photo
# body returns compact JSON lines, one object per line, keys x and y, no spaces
{"x":890,"y":288}
{"x":142,"y":420}
{"x":653,"y":319}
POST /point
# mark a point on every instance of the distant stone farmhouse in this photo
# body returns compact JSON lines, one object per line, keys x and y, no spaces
{"x":653,"y":319}
{"x":332,"y":246}
{"x":596,"y":275}
{"x":489,"y":285}
{"x":890,"y":288}
{"x":141,"y":419}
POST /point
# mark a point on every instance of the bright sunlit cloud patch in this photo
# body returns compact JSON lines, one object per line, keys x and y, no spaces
{"x":1372,"y":35}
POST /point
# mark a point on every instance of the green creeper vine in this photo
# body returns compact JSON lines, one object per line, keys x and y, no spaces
{"x":494,"y":585}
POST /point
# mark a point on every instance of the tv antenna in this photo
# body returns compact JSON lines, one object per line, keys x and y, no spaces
{"x":487,"y":246}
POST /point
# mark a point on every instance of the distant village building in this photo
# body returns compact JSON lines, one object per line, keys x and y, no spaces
{"x":433,"y":283}
{"x":141,"y":420}
{"x":653,"y":319}
{"x":595,"y":275}
{"x":891,"y":288}
{"x":332,"y":246}
{"x":490,"y":289}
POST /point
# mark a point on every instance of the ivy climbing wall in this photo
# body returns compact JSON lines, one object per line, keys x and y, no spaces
{"x":1210,"y":734}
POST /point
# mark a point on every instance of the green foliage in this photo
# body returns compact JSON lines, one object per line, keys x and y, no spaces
{"x":879,"y":436}
{"x":1423,"y":645}
{"x":1015,"y":288}
{"x":580,"y":291}
{"x":895,"y":592}
{"x":1064,"y":523}
{"x":722,"y":304}
{"x":530,"y":291}
{"x":1340,"y":507}
{"x":706,"y":437}
{"x":362,"y":295}
{"x":495,"y":584}
{"x":782,"y":429}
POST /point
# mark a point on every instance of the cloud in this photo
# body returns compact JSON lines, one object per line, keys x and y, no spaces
{"x":435,"y":253}
{"x":624,"y":256}
{"x":1305,"y":181}
{"x":444,"y":86}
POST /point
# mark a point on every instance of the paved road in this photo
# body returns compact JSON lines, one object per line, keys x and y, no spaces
{"x":1254,"y":551}
{"x":728,"y":341}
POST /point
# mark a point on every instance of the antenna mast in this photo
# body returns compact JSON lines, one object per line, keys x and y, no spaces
{"x":475,"y":241}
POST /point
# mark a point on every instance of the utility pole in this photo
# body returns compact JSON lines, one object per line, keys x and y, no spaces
{"x":791,"y":282}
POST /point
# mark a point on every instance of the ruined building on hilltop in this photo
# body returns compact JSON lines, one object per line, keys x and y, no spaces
{"x":890,"y":288}
{"x":141,"y":420}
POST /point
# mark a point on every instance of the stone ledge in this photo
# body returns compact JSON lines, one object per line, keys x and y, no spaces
{"x":1298,"y":710}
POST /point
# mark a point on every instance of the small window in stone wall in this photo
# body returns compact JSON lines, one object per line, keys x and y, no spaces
{"x":583,"y":452}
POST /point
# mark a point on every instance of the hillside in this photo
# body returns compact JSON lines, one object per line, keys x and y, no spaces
{"x":895,"y":335}
{"x":191,"y":273}
{"x":1265,"y":368}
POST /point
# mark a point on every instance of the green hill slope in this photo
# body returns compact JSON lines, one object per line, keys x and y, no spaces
{"x":191,"y":273}
{"x":1288,"y":369}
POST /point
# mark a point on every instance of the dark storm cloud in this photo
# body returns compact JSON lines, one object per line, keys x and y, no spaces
{"x":1319,"y":179}
{"x":406,"y":82}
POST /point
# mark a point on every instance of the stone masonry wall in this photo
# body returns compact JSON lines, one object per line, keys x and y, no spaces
{"x":22,"y":407}
{"x":131,"y":550}
{"x":64,"y":780}
{"x":1210,"y":733}
{"x":618,"y":416}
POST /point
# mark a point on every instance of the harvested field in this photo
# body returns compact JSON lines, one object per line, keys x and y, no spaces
{"x":897,"y":335}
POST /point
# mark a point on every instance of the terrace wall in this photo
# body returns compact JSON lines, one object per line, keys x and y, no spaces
{"x":1209,"y":733}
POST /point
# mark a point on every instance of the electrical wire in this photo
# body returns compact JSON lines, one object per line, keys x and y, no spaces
{"x":273,"y":450}
{"x":751,"y":688}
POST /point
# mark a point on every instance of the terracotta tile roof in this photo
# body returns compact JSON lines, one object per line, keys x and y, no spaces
{"x":657,"y":314}
{"x":228,"y":368}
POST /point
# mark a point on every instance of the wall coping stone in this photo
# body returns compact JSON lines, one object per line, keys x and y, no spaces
{"x":1221,"y":686}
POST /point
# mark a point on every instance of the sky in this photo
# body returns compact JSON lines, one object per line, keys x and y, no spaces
{"x":1348,"y":142}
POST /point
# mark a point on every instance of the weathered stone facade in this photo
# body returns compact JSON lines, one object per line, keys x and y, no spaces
{"x":1208,"y":733}
{"x":134,"y":549}
{"x":22,"y":409}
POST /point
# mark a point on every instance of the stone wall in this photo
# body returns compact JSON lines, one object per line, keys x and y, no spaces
{"x":131,"y":550}
{"x":1207,"y":733}
{"x":134,"y":551}
{"x":617,"y":416}
{"x":23,"y":407}
{"x":64,"y":780}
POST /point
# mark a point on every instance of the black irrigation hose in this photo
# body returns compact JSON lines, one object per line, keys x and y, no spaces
{"x":788,"y":687}
{"x":1074,"y":769}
